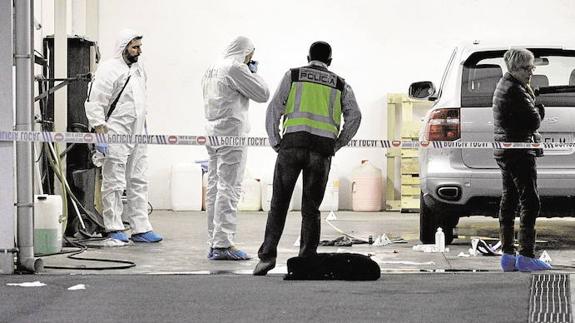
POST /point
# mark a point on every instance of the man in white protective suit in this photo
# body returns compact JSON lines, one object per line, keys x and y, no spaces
{"x":117,"y":105}
{"x":228,"y":85}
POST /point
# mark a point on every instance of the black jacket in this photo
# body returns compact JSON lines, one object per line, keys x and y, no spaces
{"x":515,"y":117}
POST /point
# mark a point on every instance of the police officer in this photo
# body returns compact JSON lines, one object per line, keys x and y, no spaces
{"x":311,"y":101}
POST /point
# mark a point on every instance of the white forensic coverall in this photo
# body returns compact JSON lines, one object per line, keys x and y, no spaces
{"x":125,"y":165}
{"x":228,"y":86}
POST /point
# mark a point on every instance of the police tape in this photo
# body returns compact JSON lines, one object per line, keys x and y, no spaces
{"x":218,"y":141}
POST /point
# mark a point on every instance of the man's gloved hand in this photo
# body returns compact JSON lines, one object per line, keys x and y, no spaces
{"x":102,"y":148}
{"x":253,"y":66}
{"x":541,"y":109}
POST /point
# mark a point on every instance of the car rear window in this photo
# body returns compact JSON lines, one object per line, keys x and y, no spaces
{"x":482,"y":71}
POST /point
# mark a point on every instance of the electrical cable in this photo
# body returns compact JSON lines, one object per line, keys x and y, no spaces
{"x":40,"y":155}
{"x":58,"y":173}
{"x":56,"y":167}
{"x":53,"y":157}
{"x":67,"y":150}
{"x":82,"y":249}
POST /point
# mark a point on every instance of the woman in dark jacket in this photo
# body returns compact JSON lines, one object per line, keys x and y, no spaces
{"x":516,"y":119}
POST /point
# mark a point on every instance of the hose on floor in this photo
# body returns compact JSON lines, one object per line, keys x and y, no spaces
{"x":81,"y":248}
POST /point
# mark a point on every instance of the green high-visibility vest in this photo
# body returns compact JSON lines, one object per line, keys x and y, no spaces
{"x":314,"y":102}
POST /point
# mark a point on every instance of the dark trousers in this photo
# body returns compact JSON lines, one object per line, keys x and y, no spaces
{"x":519,"y":196}
{"x":290,"y":163}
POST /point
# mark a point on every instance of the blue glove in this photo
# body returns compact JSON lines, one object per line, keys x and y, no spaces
{"x":103,"y":148}
{"x":253,"y":66}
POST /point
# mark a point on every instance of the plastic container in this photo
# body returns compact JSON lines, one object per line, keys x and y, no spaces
{"x":366,"y":188}
{"x":440,"y":240}
{"x":251,"y":196}
{"x":186,"y":187}
{"x":47,"y":224}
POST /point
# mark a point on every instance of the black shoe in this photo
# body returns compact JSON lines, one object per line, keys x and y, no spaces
{"x":263,"y":267}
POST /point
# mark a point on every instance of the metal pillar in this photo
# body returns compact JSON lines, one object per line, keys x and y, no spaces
{"x":7,"y":211}
{"x":60,"y":64}
{"x":24,"y":58}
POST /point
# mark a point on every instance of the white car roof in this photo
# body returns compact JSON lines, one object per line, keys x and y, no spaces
{"x":468,"y":48}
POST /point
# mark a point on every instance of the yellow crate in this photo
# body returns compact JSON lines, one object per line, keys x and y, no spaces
{"x":409,"y":190}
{"x":410,"y":129}
{"x":396,"y":98}
{"x":410,"y":204}
{"x":409,"y":153}
{"x":393,"y":205}
{"x":409,"y":166}
{"x":409,"y":179}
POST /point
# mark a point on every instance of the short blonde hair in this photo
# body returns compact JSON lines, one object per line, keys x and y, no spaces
{"x":515,"y":58}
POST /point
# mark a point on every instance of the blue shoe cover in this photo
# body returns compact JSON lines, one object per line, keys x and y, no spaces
{"x":149,"y":236}
{"x":118,"y":235}
{"x":211,"y":253}
{"x":526,"y":264}
{"x":230,"y":253}
{"x":508,"y":262}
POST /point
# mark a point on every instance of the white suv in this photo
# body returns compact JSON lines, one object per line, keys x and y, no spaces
{"x":462,"y":182}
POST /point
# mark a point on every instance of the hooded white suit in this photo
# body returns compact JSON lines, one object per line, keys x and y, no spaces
{"x":228,"y":86}
{"x":125,"y":165}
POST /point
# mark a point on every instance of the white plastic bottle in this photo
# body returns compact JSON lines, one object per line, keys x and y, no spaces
{"x":440,"y":240}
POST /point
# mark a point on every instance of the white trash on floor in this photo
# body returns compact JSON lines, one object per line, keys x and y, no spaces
{"x":545,"y":257}
{"x":77,"y":287}
{"x":428,"y":248}
{"x":27,"y":284}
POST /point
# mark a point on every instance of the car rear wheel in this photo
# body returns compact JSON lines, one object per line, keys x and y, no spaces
{"x":429,"y":221}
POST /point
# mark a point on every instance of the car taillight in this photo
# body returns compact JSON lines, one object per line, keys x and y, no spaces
{"x":443,"y":125}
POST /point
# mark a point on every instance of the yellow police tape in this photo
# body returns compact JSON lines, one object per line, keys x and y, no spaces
{"x":216,"y":141}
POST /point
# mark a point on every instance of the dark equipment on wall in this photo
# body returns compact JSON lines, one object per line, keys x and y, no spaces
{"x":80,"y":172}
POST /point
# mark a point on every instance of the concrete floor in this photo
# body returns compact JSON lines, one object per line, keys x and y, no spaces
{"x":174,"y":282}
{"x":184,"y":248}
{"x":441,"y":298}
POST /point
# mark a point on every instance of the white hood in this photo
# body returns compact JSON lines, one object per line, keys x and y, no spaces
{"x":124,"y":38}
{"x":239,"y":49}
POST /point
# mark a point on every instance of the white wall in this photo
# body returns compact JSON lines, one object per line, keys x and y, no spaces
{"x":378,"y":46}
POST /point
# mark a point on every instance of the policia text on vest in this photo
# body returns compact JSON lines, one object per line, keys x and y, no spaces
{"x":314,"y":103}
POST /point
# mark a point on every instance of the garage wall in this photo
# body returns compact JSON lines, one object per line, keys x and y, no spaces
{"x":379,"y":47}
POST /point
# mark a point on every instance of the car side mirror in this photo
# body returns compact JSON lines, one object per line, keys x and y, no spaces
{"x":421,"y":90}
